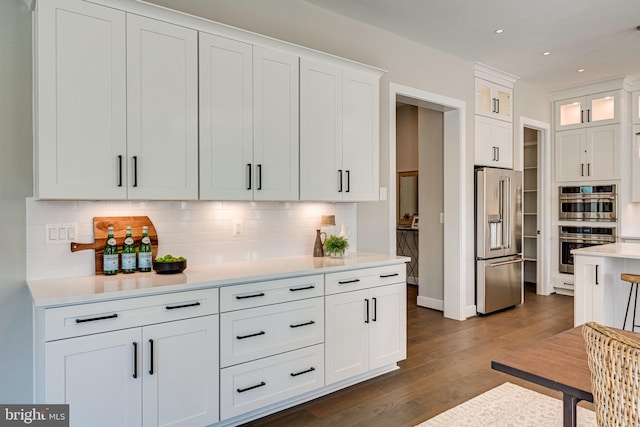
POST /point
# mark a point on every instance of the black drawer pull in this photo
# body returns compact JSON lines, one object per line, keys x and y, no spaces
{"x":344,"y":282}
{"x":311,"y":322}
{"x":173,"y":307}
{"x":384,"y":276}
{"x":151,"y":357}
{"x":135,"y":360}
{"x":295,"y":374}
{"x":241,"y":337}
{"x":261,"y":294}
{"x":242,"y":390}
{"x":93,"y":319}
{"x":302,"y":289}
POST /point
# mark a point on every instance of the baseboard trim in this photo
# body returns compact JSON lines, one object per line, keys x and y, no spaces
{"x":435,"y":304}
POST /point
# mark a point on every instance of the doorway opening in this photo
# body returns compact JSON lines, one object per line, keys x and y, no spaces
{"x":451,"y":292}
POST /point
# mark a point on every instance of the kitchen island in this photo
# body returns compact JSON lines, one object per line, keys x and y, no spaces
{"x":599,"y":294}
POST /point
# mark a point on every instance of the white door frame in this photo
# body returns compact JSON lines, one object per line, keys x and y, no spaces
{"x":458,"y":277}
{"x":543,"y":267}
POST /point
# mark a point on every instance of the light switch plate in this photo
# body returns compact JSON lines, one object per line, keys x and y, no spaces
{"x":59,"y":234}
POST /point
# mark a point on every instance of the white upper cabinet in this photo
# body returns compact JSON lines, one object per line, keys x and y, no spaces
{"x":275,"y":125}
{"x":494,"y":100}
{"x":248,"y":121}
{"x":339,"y":133}
{"x":586,"y":111}
{"x":80,"y":110}
{"x":587,"y":154}
{"x":494,"y":143}
{"x":226,"y":118}
{"x":162,"y":110}
{"x":116,"y":109}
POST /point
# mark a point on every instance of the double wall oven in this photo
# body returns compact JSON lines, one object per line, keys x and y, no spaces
{"x":595,"y":203}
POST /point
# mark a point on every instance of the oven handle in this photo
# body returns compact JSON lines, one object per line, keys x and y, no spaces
{"x":586,"y":240}
{"x":584,"y":197}
{"x":500,"y":264}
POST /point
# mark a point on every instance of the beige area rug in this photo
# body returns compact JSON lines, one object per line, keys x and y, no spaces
{"x":508,"y":405}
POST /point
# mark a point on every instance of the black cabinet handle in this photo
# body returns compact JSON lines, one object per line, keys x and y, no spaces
{"x":173,"y":307}
{"x":348,"y":181}
{"x":344,"y":282}
{"x":93,"y":319}
{"x":151,"y":357}
{"x":311,"y":322}
{"x":375,"y":309}
{"x":366,"y":303}
{"x":581,"y":116}
{"x":588,"y":169}
{"x":493,"y":105}
{"x":597,"y":282}
{"x":242,"y":390}
{"x":340,"y":180}
{"x":241,"y":337}
{"x":261,"y":294}
{"x":259,"y":177}
{"x":135,"y":360}
{"x":295,"y":374}
{"x":248,"y":176}
{"x":498,"y":105}
{"x":497,"y":154}
{"x":302,"y":289}
{"x":581,"y":169}
{"x":135,"y":171}
{"x":120,"y":171}
{"x":588,"y":115}
{"x":384,"y":276}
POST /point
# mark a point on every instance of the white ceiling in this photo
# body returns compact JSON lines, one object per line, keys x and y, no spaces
{"x":599,"y":36}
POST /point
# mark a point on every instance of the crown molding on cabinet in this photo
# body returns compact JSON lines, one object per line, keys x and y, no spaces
{"x":626,"y":83}
{"x":500,"y":77}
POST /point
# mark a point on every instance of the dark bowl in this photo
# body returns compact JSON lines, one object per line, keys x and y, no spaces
{"x":169,"y":267}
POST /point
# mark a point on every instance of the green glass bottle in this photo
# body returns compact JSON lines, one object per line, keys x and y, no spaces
{"x":144,"y":251}
{"x":129,"y":253}
{"x":110,"y":256}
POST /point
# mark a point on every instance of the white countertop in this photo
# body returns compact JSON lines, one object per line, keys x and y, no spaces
{"x":81,"y":289}
{"x":615,"y":250}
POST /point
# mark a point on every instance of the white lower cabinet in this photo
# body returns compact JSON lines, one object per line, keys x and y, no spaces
{"x":150,"y":373}
{"x":365,"y":329}
{"x":262,"y":382}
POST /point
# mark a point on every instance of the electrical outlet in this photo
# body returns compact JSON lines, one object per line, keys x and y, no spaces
{"x":237,"y":228}
{"x":57,"y":234}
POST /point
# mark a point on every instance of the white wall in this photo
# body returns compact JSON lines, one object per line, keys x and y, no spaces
{"x":15,"y":185}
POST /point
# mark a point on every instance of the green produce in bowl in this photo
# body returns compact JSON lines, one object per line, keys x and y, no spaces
{"x":170,"y":258}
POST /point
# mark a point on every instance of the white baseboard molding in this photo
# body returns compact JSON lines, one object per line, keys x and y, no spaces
{"x":435,"y":304}
{"x":471,"y":311}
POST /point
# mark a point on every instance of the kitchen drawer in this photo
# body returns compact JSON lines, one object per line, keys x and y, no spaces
{"x":253,"y":385}
{"x":365,"y":278}
{"x":92,"y":318}
{"x":272,"y":292}
{"x":264,"y":331}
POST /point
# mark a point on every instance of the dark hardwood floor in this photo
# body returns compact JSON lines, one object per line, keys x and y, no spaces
{"x":448,"y":362}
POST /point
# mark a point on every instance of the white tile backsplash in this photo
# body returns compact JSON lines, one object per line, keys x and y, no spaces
{"x":198,"y":230}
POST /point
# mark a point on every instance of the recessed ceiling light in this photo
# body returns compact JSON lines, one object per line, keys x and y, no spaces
{"x":499,"y":31}
{"x":580,"y":70}
{"x":546,"y":53}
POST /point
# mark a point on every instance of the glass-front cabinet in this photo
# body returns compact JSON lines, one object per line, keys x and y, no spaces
{"x":585,"y":111}
{"x":493,"y":100}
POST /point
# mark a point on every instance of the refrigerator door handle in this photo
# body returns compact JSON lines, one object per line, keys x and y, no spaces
{"x":499,"y":264}
{"x":505,"y":210}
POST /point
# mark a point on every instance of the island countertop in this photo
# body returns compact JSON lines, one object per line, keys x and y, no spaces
{"x":615,"y":250}
{"x":81,"y":289}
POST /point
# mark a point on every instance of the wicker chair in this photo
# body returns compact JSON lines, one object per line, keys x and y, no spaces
{"x":614,"y":362}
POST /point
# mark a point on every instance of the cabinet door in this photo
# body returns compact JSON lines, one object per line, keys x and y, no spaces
{"x":493,"y":100}
{"x":180,"y":373}
{"x":81,"y":107}
{"x":360,"y":130}
{"x":99,"y":376}
{"x":603,"y":108}
{"x":388,"y":327}
{"x":347,"y":335}
{"x":570,"y":158}
{"x":320,"y":131}
{"x":589,"y":289}
{"x":162,"y":110}
{"x":226,"y":118}
{"x":570,"y":113}
{"x":635,"y":165}
{"x":494,"y":143}
{"x":275,"y":131}
{"x":602,"y":152}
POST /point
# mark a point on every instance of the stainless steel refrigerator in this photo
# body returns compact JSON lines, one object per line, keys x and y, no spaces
{"x":498,"y":198}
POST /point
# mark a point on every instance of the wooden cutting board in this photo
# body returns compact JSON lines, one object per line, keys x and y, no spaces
{"x":120,"y":224}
